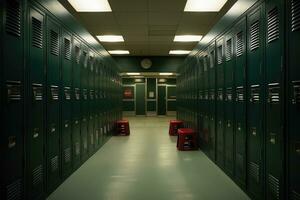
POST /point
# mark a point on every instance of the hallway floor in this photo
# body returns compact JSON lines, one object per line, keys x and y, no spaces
{"x":147,"y":166}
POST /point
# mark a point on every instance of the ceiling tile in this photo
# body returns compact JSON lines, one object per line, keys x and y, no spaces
{"x":167,"y":5}
{"x":97,"y":19}
{"x":164,"y":18}
{"x":135,"y":38}
{"x":132,"y":18}
{"x":134,"y":29}
{"x":128,"y":5}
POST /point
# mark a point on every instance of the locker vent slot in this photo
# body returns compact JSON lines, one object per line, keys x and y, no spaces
{"x":67,"y":155}
{"x":91,"y":94}
{"x":96,"y":94}
{"x":77,"y":149}
{"x":273,"y":25}
{"x":67,"y":49}
{"x":274,"y":93}
{"x":220,"y":94}
{"x":54,"y":163}
{"x":295,"y":12}
{"x":37,"y":175}
{"x":14,"y":190}
{"x":54,"y":43}
{"x":240,"y":94}
{"x":67,"y":92}
{"x":85,"y":62}
{"x":13,"y":18}
{"x":220,"y":54}
{"x":229,"y":94}
{"x":254,"y":35}
{"x":13,"y":91}
{"x":295,"y":195}
{"x":37,"y":90}
{"x":212,"y":59}
{"x":77,"y":93}
{"x":296,"y":89}
{"x":37,"y":33}
{"x":77,"y":54}
{"x":239,"y":44}
{"x":212,"y":94}
{"x":228,"y":49}
{"x":253,"y":170}
{"x":54,"y":92}
{"x":91,"y":59}
{"x":84,"y":94}
{"x":255,"y":97}
{"x":273,"y":186}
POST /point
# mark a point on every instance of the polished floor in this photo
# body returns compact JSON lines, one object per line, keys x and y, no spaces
{"x":147,"y":166}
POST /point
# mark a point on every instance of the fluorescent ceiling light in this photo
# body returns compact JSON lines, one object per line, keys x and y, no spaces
{"x":187,"y":38}
{"x":179,"y":52}
{"x":90,"y":5}
{"x":118,"y":52}
{"x":204,"y":5}
{"x":110,"y":38}
{"x":165,"y":74}
{"x":133,"y":73}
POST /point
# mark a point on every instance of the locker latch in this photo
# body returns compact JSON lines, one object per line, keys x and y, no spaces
{"x":253,"y":131}
{"x":77,"y":93}
{"x":12,"y":141}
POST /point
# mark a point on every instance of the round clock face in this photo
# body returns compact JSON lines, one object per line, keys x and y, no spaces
{"x":146,"y":63}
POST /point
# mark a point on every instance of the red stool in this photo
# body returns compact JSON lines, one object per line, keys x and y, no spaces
{"x":122,"y":127}
{"x":174,"y":126}
{"x":187,"y":139}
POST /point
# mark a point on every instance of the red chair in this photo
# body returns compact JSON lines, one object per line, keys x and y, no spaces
{"x":122,"y":127}
{"x":187,"y":139}
{"x":174,"y":126}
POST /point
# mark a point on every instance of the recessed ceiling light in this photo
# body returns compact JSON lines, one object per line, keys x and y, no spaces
{"x":118,"y":52}
{"x":165,"y":74}
{"x":133,"y":73}
{"x":90,"y":5}
{"x":204,"y":5}
{"x":110,"y":38}
{"x":179,"y":52}
{"x":187,"y":38}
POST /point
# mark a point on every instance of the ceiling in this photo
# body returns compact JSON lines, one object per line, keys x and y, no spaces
{"x":148,"y":26}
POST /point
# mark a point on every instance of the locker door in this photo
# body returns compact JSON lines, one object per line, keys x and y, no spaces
{"x":76,"y":112}
{"x":200,"y":114}
{"x":12,"y":99}
{"x":240,"y":102}
{"x":91,"y":104}
{"x":52,"y":106}
{"x":66,"y":104}
{"x":293,"y":101}
{"x":84,"y":105}
{"x":96,"y":107}
{"x":274,"y":108}
{"x":101,"y":117}
{"x":211,"y":99}
{"x":255,"y":104}
{"x":35,"y":169}
{"x":220,"y":103}
{"x":228,"y":107}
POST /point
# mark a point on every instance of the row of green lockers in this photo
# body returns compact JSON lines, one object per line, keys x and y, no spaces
{"x":59,"y":101}
{"x":246,"y":87}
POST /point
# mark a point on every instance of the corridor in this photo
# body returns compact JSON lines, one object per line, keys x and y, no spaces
{"x":147,"y":166}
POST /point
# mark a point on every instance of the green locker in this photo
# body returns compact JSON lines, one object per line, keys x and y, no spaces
{"x":91,"y":122}
{"x":52,"y":106}
{"x":293,"y":100}
{"x":12,"y":99}
{"x":229,"y":104}
{"x":240,"y":102}
{"x":220,"y":102}
{"x":211,"y":99}
{"x":274,"y":139}
{"x":84,"y":105}
{"x":66,"y":104}
{"x":35,"y":169}
{"x":255,"y":103}
{"x":76,"y":97}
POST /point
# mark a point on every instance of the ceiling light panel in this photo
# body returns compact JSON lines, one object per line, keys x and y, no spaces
{"x":90,"y":5}
{"x":179,"y":52}
{"x":133,"y":73}
{"x":187,"y":38}
{"x":118,"y":52}
{"x":204,"y":5}
{"x":110,"y":38}
{"x":165,"y":74}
